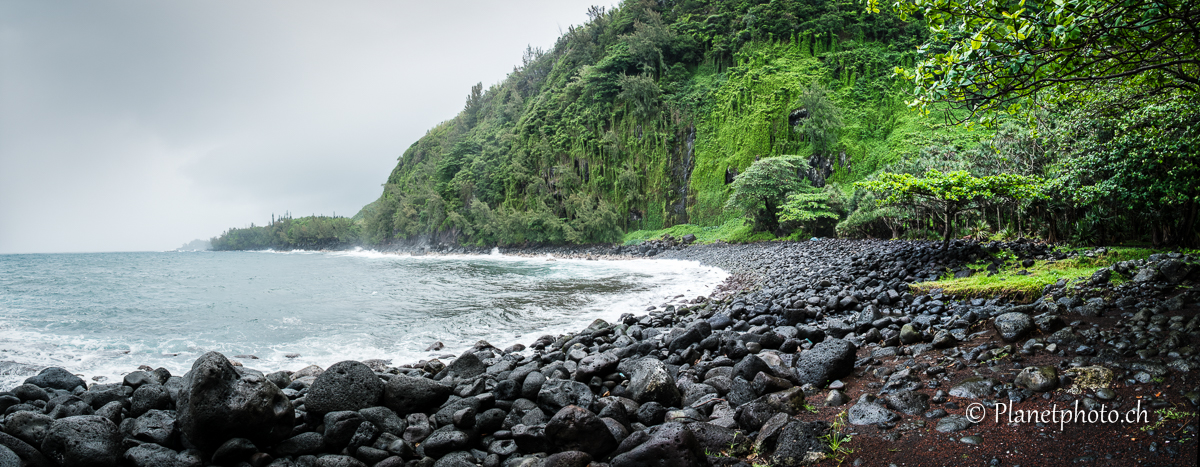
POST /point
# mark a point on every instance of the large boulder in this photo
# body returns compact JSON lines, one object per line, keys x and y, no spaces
{"x":575,"y":428}
{"x":1013,"y":325}
{"x":466,"y":366}
{"x":800,"y":443}
{"x":409,"y":394}
{"x":667,"y":445}
{"x":829,"y":360}
{"x":56,"y":378}
{"x":83,"y":440}
{"x":220,"y":402}
{"x":652,"y":382}
{"x":155,"y":426}
{"x":347,"y":385}
{"x":750,"y":366}
{"x":558,"y":393}
{"x":599,"y":364}
{"x":30,"y":427}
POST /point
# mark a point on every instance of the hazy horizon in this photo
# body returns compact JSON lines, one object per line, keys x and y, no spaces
{"x":140,"y":126}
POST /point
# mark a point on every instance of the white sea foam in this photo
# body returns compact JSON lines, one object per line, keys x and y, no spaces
{"x":101,"y":356}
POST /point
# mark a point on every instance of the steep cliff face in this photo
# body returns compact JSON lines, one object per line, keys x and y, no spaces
{"x":682,"y":161}
{"x":639,"y":119}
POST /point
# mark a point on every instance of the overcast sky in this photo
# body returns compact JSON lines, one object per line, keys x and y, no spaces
{"x":142,"y":125}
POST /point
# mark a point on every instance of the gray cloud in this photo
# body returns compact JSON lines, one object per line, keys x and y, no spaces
{"x":140,"y":125}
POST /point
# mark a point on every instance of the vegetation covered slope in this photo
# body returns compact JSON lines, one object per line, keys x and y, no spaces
{"x":640,"y":118}
{"x":650,"y":118}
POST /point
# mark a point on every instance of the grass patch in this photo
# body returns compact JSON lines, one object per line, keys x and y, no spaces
{"x":737,"y":230}
{"x":1011,"y":283}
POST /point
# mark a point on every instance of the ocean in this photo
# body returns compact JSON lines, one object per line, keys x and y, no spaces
{"x":103,"y":315}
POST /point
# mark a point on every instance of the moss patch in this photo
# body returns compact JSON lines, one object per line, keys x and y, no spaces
{"x":1026,"y":284}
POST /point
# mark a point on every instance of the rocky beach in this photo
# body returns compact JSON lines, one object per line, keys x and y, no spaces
{"x":820,"y":352}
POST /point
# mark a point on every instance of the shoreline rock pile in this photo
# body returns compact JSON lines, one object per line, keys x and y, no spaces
{"x":713,"y":382}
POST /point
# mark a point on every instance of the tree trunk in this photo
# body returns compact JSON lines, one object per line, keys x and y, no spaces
{"x":946,"y":236}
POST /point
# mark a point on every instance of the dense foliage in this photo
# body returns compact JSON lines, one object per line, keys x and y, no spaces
{"x":948,"y":194}
{"x":641,"y":118}
{"x":649,"y":118}
{"x":990,"y":55}
{"x":287,"y":233}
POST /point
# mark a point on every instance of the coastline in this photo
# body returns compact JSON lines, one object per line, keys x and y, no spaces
{"x":801,"y":335}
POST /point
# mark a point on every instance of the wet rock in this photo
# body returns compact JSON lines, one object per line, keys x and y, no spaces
{"x":30,"y":392}
{"x":137,"y":379}
{"x":68,"y":406}
{"x":944,"y":340}
{"x":909,"y":334}
{"x":836,"y":398}
{"x":559,"y":393}
{"x":466,"y":366}
{"x":567,"y":459}
{"x":531,"y":438}
{"x":1146,"y":274}
{"x":829,"y":360}
{"x":651,"y":413}
{"x":385,"y":419}
{"x":908,"y":402}
{"x":445,"y":440}
{"x":99,"y":395}
{"x":347,"y":385}
{"x":1012,"y":326}
{"x":407,"y":394}
{"x":155,"y":426}
{"x":8,"y":458}
{"x":532,"y":385}
{"x":1038,"y":379}
{"x":30,"y":427}
{"x":952,"y":423}
{"x":974,"y":388}
{"x":750,"y":366}
{"x":340,"y":427}
{"x":220,"y":402}
{"x":800,"y":443}
{"x":575,"y":428}
{"x":149,"y":397}
{"x":668,"y":445}
{"x":56,"y":378}
{"x":85,"y":440}
{"x":301,"y":444}
{"x":339,"y":461}
{"x":418,"y":428}
{"x":24,"y":450}
{"x":652,"y":382}
{"x":867,"y":411}
{"x":715,"y":438}
{"x":596,"y":365}
{"x":153,"y":455}
{"x":234,"y":451}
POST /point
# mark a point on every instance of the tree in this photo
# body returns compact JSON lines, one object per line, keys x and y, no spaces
{"x":948,"y":194}
{"x":805,"y":205}
{"x":823,"y":124}
{"x":990,"y":55}
{"x":474,"y":102}
{"x":1145,"y":162}
{"x":641,"y":94}
{"x":762,"y":188}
